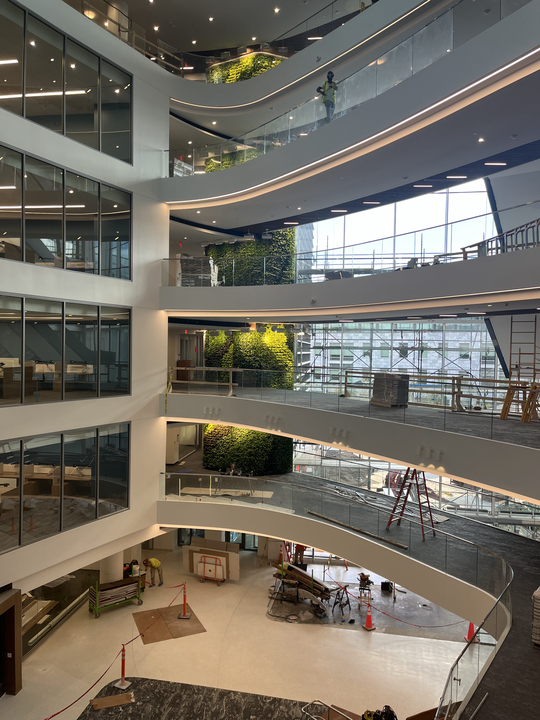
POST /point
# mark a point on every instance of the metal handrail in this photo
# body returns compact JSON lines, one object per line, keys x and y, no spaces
{"x":305,"y":713}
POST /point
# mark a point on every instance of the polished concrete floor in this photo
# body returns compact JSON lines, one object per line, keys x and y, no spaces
{"x":242,"y":650}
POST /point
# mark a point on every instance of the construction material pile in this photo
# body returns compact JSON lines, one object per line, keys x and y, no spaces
{"x":390,"y":390}
{"x":309,"y":585}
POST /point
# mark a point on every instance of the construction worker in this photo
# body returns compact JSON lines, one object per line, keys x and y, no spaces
{"x":154,"y":564}
{"x":328,"y":92}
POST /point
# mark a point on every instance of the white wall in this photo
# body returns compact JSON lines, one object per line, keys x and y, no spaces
{"x":33,"y":565}
{"x":486,"y":463}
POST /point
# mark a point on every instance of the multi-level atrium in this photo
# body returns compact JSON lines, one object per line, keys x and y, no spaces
{"x":245,"y":313}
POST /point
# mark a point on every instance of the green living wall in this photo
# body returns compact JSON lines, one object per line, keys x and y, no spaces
{"x":242,"y":68}
{"x":251,"y":451}
{"x":257,"y":262}
{"x":229,"y":159}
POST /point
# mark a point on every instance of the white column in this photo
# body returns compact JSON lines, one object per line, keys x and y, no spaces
{"x":111,"y":568}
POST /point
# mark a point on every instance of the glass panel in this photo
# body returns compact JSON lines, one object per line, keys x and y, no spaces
{"x":510,"y":6}
{"x":11,"y":56}
{"x":81,"y":351}
{"x":43,"y":213}
{"x":45,"y":49}
{"x":10,"y":489}
{"x":394,"y":66}
{"x":10,"y":350}
{"x":114,"y":360}
{"x":357,"y":88}
{"x":10,"y":204}
{"x":43,"y":351}
{"x":432,"y":42}
{"x":80,"y":487}
{"x":113,"y":468}
{"x":41,"y":487}
{"x":82,"y":223}
{"x":115,"y":112}
{"x":82,"y":83}
{"x":472,"y":18}
{"x":115,"y":233}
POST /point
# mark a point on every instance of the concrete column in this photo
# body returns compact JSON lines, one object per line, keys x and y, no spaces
{"x":111,"y":568}
{"x":214,"y":535}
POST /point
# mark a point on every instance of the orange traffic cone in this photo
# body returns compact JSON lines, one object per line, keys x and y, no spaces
{"x":470,"y":634}
{"x":369,"y":621}
{"x":13,"y":528}
{"x":31,"y":525}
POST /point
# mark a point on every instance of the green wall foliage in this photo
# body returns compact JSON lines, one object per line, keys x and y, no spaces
{"x":242,"y":68}
{"x":257,"y":262}
{"x":252,"y":451}
{"x":229,"y":159}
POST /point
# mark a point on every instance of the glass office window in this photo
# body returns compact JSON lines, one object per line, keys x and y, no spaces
{"x":82,"y":102}
{"x":44,"y":76}
{"x":42,"y":459}
{"x":10,"y":350}
{"x":11,"y":56}
{"x":10,"y":490}
{"x":82,"y":223}
{"x":43,"y":351}
{"x":44,"y":205}
{"x":115,"y":233}
{"x":80,"y":486}
{"x":113,"y":468}
{"x":114,"y":352}
{"x":81,"y":351}
{"x":10,"y":203}
{"x":115,"y":112}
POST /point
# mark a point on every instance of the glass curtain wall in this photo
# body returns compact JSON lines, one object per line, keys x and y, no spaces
{"x":113,"y":468}
{"x":63,"y":475}
{"x":70,"y":221}
{"x":114,"y":351}
{"x":67,"y":89}
{"x":10,"y":204}
{"x":81,"y":351}
{"x":10,"y":350}
{"x":43,"y":351}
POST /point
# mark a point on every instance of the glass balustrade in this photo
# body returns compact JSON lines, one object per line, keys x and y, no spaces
{"x":465,"y":21}
{"x":363,"y":258}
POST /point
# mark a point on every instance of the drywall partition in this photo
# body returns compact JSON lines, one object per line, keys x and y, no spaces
{"x":439,"y":288}
{"x":454,"y":595}
{"x":486,"y":463}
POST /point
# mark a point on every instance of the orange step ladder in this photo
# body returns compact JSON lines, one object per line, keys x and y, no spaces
{"x":413,"y":479}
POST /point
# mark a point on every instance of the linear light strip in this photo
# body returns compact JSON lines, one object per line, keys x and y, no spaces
{"x":369,"y":139}
{"x":44,"y":94}
{"x":316,"y":70}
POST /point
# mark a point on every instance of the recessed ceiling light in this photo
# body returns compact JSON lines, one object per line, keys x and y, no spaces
{"x":298,"y":208}
{"x":156,"y":27}
{"x":316,"y":37}
{"x":456,"y":177}
{"x":495,"y":163}
{"x":476,"y":313}
{"x":211,"y":19}
{"x":422,"y":185}
{"x":72,"y":66}
{"x":339,"y":211}
{"x":303,"y":134}
{"x":492,"y":306}
{"x":371,"y":202}
{"x":290,"y":223}
{"x":213,"y":122}
{"x":214,"y":222}
{"x":193,"y":42}
{"x":481,"y":139}
{"x":447,"y":315}
{"x":117,"y":91}
{"x":253,"y":38}
{"x":198,"y":212}
{"x":276,"y":10}
{"x":190,"y":142}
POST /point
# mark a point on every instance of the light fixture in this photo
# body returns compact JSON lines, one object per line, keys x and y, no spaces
{"x":211,"y":19}
{"x":117,"y":91}
{"x":8,"y":62}
{"x":290,"y":223}
{"x":476,"y":313}
{"x":106,"y":23}
{"x":298,"y":208}
{"x":303,"y":134}
{"x":52,"y":59}
{"x":193,"y":42}
{"x":338,"y":211}
{"x":33,"y":43}
{"x":501,"y":164}
{"x":213,"y":222}
{"x":198,"y":212}
{"x":316,"y":37}
{"x":254,"y":38}
{"x":156,"y":27}
{"x":371,"y":202}
{"x":213,"y":122}
{"x":71,"y":192}
{"x":422,"y":185}
{"x":447,"y":315}
{"x":187,"y":67}
{"x":481,"y":139}
{"x":190,"y":142}
{"x":89,"y":14}
{"x":8,"y":187}
{"x":414,"y":318}
{"x":72,"y":66}
{"x":276,"y":10}
{"x":456,"y":177}
{"x":115,"y":206}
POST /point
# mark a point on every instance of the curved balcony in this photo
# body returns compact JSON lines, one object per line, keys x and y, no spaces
{"x":455,"y":573}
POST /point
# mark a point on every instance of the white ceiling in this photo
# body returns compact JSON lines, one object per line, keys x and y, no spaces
{"x":235,"y":22}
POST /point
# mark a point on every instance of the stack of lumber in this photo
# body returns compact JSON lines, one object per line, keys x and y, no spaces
{"x":390,"y":390}
{"x":111,"y":593}
{"x":536,"y":618}
{"x":294,"y":575}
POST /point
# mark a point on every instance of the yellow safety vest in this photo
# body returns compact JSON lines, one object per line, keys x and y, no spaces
{"x":326,"y":87}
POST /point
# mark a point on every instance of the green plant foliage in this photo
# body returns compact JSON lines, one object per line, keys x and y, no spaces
{"x":230,"y":159}
{"x":243,"y":68}
{"x":251,"y":451}
{"x":257,"y":262}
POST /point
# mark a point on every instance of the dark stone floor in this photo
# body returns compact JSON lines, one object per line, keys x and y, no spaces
{"x":161,"y":700}
{"x":512,"y":681}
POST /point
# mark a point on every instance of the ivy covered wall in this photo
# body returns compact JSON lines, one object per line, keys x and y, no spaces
{"x":242,"y":68}
{"x":229,"y":159}
{"x":257,"y":262}
{"x":250,"y":450}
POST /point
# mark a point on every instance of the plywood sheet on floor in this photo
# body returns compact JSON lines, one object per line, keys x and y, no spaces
{"x":163,"y":624}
